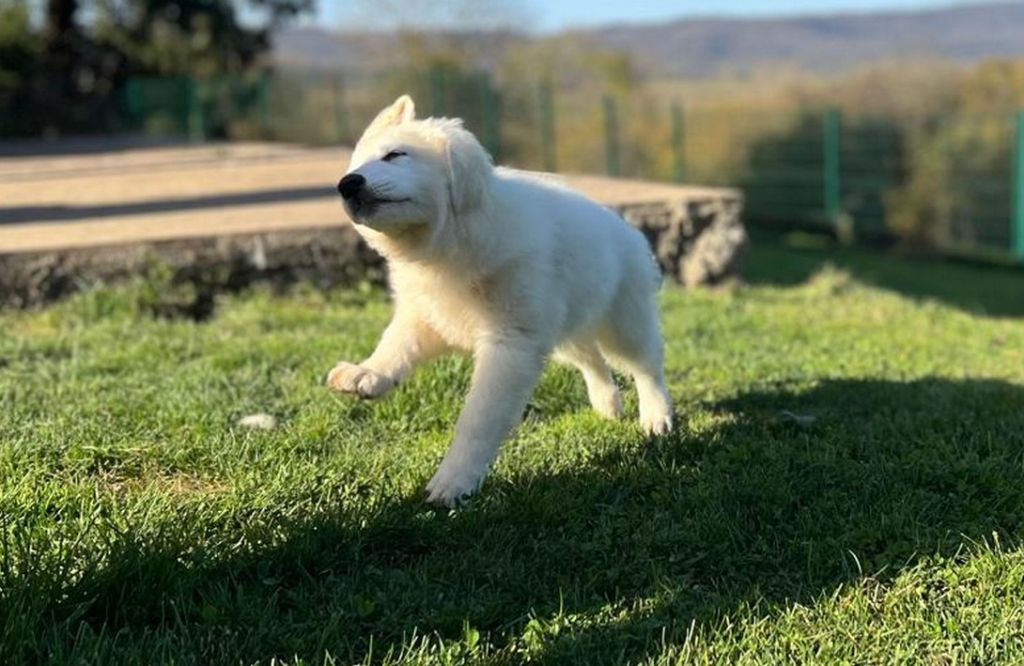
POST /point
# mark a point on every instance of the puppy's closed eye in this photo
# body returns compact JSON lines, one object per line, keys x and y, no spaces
{"x":393,"y":154}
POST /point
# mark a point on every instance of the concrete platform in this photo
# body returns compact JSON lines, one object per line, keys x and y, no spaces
{"x":68,"y":217}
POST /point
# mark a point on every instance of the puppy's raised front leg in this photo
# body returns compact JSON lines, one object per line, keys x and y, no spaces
{"x":505,"y":375}
{"x":406,"y":342}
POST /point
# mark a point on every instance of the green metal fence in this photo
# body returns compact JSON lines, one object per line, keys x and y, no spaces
{"x":209,"y":109}
{"x":820,"y":169}
{"x":956,"y":183}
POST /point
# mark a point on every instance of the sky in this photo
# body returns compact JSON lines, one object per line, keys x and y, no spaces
{"x":556,"y":15}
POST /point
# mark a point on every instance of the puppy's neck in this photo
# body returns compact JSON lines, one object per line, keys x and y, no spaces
{"x":400,"y":244}
{"x":453,"y":239}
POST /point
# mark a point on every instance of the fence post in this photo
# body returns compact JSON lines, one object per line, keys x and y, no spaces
{"x":264,"y":103}
{"x":1018,"y":190}
{"x":340,"y":111}
{"x":547,"y":127}
{"x":194,"y":111}
{"x":611,"y":136}
{"x":678,"y":145}
{"x":490,"y":117}
{"x":133,"y":106}
{"x":831,"y":167}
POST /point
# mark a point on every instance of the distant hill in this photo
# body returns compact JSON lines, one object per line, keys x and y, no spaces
{"x":822,"y":43}
{"x":705,"y":47}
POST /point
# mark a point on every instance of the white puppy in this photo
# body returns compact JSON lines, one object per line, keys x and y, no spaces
{"x":505,"y":266}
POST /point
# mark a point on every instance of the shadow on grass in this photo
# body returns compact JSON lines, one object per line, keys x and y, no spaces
{"x":757,"y":510}
{"x":985,"y":289}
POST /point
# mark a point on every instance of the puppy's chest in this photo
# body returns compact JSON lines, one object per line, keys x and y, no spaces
{"x":459,"y":312}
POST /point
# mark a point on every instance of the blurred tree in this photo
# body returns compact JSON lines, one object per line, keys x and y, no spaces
{"x":64,"y":64}
{"x":994,"y":86}
{"x":62,"y":76}
{"x":958,"y":191}
{"x":196,"y":37}
{"x":444,"y":53}
{"x":20,"y":51}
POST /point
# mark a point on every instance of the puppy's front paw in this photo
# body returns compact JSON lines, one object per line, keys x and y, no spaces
{"x":357,"y":380}
{"x":452,"y":483}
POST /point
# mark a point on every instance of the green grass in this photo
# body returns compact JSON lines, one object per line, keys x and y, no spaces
{"x":846,"y":485}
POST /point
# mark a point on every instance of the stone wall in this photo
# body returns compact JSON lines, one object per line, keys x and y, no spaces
{"x":698,"y":241}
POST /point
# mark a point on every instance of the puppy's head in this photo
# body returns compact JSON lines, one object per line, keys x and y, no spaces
{"x":407,"y":172}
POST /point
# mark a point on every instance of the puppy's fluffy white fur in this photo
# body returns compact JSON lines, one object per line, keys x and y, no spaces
{"x":506,"y":266}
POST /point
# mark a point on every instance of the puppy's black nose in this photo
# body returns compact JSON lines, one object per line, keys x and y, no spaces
{"x":350,"y":185}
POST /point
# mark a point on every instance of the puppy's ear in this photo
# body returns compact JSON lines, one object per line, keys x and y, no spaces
{"x":469,"y":168}
{"x":402,"y":111}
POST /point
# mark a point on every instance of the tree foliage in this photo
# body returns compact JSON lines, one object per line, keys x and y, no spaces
{"x":62,"y":75}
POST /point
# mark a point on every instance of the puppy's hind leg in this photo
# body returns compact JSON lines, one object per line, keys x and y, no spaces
{"x":633,"y":340}
{"x":601,"y":388}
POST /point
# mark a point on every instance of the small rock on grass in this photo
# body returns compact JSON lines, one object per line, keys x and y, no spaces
{"x":258,"y":422}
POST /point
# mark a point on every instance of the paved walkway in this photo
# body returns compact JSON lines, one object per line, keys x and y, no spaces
{"x":57,"y":202}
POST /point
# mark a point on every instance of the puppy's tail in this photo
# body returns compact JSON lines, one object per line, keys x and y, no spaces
{"x":652,"y":265}
{"x":657,"y":275}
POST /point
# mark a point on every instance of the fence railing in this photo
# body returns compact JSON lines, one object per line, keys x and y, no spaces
{"x":955,"y":183}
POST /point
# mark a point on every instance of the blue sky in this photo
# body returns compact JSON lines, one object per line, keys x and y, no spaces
{"x":553,"y":15}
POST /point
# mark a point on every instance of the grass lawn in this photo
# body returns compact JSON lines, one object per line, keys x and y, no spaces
{"x":845,"y":485}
